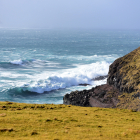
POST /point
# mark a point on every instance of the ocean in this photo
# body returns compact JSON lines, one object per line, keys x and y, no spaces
{"x":42,"y":65}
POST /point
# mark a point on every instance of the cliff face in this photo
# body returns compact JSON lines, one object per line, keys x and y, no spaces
{"x":124,"y":73}
{"x":122,"y":89}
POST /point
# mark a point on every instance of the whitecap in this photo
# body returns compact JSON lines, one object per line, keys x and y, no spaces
{"x":17,"y":62}
{"x":68,"y":78}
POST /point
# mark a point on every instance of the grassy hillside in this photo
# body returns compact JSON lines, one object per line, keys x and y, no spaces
{"x":58,"y":122}
{"x":124,"y":74}
{"x":130,"y":81}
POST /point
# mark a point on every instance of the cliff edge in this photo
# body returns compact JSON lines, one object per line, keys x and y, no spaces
{"x":122,"y":89}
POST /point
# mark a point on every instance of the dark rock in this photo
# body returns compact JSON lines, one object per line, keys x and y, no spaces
{"x":95,"y":79}
{"x":100,"y":94}
{"x":84,"y":84}
{"x":136,"y":95}
{"x":100,"y":78}
{"x":79,"y":98}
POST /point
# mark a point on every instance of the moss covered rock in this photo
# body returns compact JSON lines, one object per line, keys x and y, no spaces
{"x":124,"y":74}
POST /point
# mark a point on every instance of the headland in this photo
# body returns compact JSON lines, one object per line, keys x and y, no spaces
{"x":122,"y":89}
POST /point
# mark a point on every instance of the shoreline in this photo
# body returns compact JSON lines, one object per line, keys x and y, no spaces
{"x":122,"y":89}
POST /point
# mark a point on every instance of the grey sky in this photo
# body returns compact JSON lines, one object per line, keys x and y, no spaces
{"x":96,"y":14}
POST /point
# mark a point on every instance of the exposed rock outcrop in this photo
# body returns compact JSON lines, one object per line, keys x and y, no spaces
{"x":100,"y":78}
{"x":79,"y":98}
{"x":100,"y":96}
{"x":95,"y":79}
{"x":124,"y":73}
{"x":122,"y":89}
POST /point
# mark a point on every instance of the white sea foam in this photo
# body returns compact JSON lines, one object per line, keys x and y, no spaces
{"x":14,"y":75}
{"x":63,"y":79}
{"x":34,"y":62}
{"x":85,"y":58}
{"x":22,"y":62}
{"x":17,"y":62}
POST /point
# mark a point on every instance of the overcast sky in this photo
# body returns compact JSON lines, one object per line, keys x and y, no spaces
{"x":51,"y":14}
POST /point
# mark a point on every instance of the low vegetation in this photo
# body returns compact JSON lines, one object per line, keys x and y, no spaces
{"x":124,"y":74}
{"x":131,"y":81}
{"x":57,"y":122}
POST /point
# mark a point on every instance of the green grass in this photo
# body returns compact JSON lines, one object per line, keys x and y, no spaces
{"x":57,"y":122}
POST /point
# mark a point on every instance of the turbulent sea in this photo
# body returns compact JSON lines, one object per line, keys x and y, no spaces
{"x":41,"y":66}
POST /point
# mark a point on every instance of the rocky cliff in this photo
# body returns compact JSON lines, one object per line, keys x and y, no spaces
{"x":122,"y":89}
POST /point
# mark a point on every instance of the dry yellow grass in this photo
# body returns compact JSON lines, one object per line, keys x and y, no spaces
{"x":64,"y":122}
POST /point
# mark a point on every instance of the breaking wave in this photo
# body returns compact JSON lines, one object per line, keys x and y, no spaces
{"x":64,"y":79}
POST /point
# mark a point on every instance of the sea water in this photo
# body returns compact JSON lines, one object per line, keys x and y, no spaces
{"x":42,"y":65}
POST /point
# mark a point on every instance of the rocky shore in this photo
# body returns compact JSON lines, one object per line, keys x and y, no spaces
{"x":122,"y":89}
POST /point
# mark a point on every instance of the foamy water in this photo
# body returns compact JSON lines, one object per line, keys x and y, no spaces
{"x":41,"y":67}
{"x":66,"y":78}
